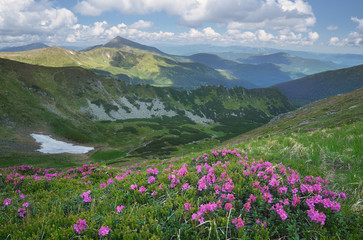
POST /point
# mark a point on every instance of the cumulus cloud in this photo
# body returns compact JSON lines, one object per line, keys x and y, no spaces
{"x":354,"y":39}
{"x":28,"y":17}
{"x":141,"y":24}
{"x":332,"y":28}
{"x":294,"y":15}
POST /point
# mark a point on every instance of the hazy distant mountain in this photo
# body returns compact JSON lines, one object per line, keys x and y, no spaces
{"x":24,"y":48}
{"x":262,"y":75}
{"x":322,"y":85}
{"x":290,"y":63}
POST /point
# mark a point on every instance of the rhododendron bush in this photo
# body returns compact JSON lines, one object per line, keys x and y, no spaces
{"x":224,"y":194}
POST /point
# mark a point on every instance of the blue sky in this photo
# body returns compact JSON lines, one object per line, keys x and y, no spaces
{"x":310,"y":25}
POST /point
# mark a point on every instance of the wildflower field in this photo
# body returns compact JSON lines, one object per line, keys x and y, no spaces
{"x":224,"y":194}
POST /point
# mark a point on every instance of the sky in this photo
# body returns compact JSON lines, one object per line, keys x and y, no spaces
{"x":334,"y":26}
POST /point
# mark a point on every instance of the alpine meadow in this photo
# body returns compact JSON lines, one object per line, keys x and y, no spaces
{"x":239,"y":119}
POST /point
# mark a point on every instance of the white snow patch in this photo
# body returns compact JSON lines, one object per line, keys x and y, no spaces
{"x":50,"y":145}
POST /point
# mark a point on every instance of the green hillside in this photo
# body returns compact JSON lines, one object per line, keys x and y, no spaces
{"x":322,"y":85}
{"x":286,"y":180}
{"x":74,"y":104}
{"x":323,"y":138}
{"x":130,"y":62}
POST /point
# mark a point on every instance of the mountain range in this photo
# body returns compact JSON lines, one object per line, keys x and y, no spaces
{"x":140,"y":64}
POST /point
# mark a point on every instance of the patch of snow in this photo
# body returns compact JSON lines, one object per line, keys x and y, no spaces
{"x":50,"y":145}
{"x":197,"y":119}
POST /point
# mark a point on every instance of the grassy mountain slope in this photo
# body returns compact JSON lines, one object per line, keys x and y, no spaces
{"x":213,"y":194}
{"x":120,"y":59}
{"x":75,"y":104}
{"x":322,"y":85}
{"x":323,"y":138}
{"x":262,"y":75}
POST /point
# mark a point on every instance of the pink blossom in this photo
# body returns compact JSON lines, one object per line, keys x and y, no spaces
{"x":103,"y":185}
{"x":86,"y":197}
{"x":110,"y":181}
{"x":194,"y":216}
{"x":104,"y":231}
{"x":151,"y":179}
{"x":185,"y":186}
{"x":187,"y":206}
{"x":247,"y":206}
{"x":230,"y":197}
{"x":119,"y":208}
{"x":26,"y":205}
{"x":142,"y":189}
{"x":80,"y":226}
{"x":228,"y":206}
{"x":274,"y":182}
{"x":7,"y":202}
{"x":21,"y":212}
{"x":154,"y":193}
{"x":133,"y":186}
{"x":161,"y":186}
{"x":282,"y":190}
{"x":252,"y":199}
{"x":22,"y":196}
{"x":295,"y":200}
{"x":316,"y":216}
{"x":238,"y":222}
{"x":342,"y":195}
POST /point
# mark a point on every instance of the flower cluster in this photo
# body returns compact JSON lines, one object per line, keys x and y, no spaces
{"x":80,"y":226}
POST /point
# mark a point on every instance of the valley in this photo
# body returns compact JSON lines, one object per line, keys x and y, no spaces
{"x":201,"y":146}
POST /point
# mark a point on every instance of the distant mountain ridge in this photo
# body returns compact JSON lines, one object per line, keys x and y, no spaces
{"x":28,"y":47}
{"x":321,"y":85}
{"x":133,"y":65}
{"x":261,"y":75}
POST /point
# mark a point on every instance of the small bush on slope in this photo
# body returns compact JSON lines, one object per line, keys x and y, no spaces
{"x":224,"y":194}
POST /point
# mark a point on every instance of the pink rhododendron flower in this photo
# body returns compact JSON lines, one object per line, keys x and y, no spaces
{"x":230,"y":197}
{"x":185,"y":186}
{"x":80,"y":226}
{"x":142,"y":189}
{"x":21,"y":212}
{"x":228,"y":206}
{"x":26,"y":205}
{"x":103,"y":185}
{"x":316,"y":216}
{"x":238,"y":222}
{"x":247,"y":206}
{"x":86,"y":197}
{"x":110,"y":181}
{"x":22,"y":196}
{"x":104,"y":231}
{"x":7,"y":202}
{"x":154,"y":193}
{"x":119,"y":208}
{"x":252,"y":199}
{"x":133,"y":186}
{"x":151,"y":179}
{"x":187,"y":206}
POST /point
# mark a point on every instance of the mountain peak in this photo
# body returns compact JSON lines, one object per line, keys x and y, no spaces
{"x":120,"y":42}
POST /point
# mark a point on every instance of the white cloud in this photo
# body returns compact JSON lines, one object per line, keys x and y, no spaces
{"x":28,"y":17}
{"x":354,"y":39}
{"x":141,"y":24}
{"x":294,"y":15}
{"x":313,"y":36}
{"x":332,"y":28}
{"x":359,"y":21}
